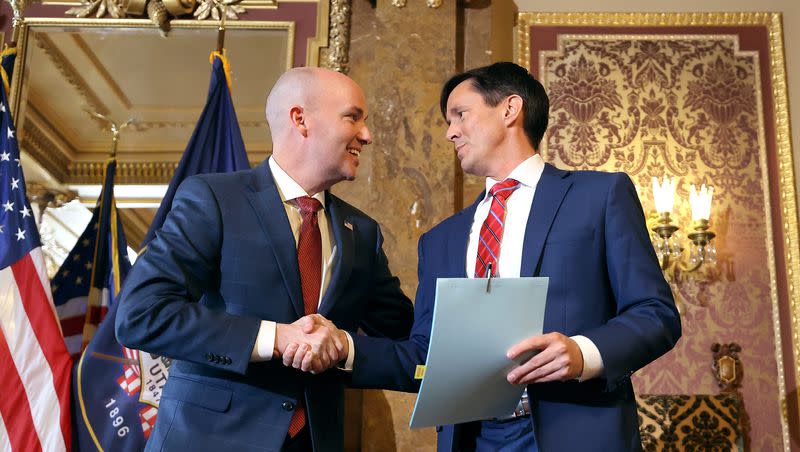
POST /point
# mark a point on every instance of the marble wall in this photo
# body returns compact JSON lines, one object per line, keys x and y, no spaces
{"x":401,"y":56}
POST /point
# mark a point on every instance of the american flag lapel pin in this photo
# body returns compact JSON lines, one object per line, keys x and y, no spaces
{"x":348,"y":225}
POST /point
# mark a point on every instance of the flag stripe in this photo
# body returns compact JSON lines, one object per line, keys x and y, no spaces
{"x":14,"y":407}
{"x":5,"y":442}
{"x":42,"y":318}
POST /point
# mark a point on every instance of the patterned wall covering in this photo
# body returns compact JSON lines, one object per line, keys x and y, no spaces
{"x":687,"y":106}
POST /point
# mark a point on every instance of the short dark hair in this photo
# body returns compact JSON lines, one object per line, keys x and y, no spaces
{"x":500,"y":80}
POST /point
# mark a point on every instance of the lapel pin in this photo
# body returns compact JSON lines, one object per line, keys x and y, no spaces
{"x":348,"y":225}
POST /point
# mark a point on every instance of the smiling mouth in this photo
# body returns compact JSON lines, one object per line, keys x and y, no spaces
{"x":354,"y":151}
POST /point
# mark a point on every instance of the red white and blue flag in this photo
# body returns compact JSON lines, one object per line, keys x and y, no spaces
{"x":35,"y":366}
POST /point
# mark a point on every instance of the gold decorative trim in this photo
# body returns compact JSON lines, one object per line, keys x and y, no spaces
{"x":69,"y":72}
{"x":101,"y":69}
{"x":44,"y":150}
{"x":335,"y":52}
{"x":127,"y":172}
{"x":91,"y":172}
{"x":788,"y":201}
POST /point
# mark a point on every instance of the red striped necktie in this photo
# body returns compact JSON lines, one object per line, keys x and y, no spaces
{"x":491,"y":235}
{"x":309,"y":261}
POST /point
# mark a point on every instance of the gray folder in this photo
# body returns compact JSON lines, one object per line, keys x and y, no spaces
{"x":473,"y":328}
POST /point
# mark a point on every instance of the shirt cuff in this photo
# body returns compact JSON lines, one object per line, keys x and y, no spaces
{"x":592,"y":361}
{"x":351,"y":354}
{"x":265,"y":342}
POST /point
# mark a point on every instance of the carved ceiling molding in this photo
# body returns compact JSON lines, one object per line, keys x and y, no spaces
{"x":431,"y":3}
{"x":127,"y":172}
{"x":70,"y":74}
{"x":101,"y":70}
{"x":44,"y":150}
{"x":144,"y":126}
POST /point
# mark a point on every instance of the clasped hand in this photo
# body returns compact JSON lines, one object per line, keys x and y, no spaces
{"x":311,"y":344}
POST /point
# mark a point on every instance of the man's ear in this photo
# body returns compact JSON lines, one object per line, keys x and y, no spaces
{"x":297,"y":119}
{"x":513,"y":108}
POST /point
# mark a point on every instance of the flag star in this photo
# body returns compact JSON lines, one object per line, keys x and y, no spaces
{"x":76,"y":257}
{"x":20,"y":234}
{"x":3,"y":107}
{"x":85,"y":242}
{"x":5,"y":157}
{"x":88,"y":266}
{"x":78,"y":280}
{"x":55,"y":287}
{"x":65,"y":273}
{"x":14,"y":183}
{"x":10,"y":133}
{"x":18,"y":164}
{"x":26,"y":212}
{"x":8,"y":206}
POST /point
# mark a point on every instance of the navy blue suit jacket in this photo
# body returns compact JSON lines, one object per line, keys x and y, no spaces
{"x":586,"y":232}
{"x":224,"y":260}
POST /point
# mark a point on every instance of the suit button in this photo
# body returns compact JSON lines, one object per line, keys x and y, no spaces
{"x":210,"y":357}
{"x":288,"y":406}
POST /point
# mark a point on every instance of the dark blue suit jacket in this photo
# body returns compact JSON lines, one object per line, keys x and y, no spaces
{"x":587,"y":233}
{"x":224,"y":260}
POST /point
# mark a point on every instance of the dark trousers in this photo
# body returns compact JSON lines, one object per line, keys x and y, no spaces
{"x":515,"y":435}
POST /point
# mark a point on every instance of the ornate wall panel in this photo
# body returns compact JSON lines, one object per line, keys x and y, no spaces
{"x":700,"y":97}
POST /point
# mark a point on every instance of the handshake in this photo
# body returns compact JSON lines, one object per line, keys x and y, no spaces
{"x":312,"y":344}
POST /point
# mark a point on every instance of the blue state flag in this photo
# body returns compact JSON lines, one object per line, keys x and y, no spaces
{"x":216,"y":145}
{"x":103,"y":379}
{"x":118,"y":389}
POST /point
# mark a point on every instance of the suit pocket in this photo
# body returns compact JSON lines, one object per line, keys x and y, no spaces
{"x":202,"y":394}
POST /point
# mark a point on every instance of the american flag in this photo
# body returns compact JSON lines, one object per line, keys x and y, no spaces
{"x":35,"y":366}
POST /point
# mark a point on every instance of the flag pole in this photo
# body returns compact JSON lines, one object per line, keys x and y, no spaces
{"x":115,"y":129}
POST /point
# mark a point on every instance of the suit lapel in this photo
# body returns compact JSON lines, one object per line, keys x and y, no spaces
{"x":266,"y":202}
{"x":343,"y":236}
{"x":550,"y":192}
{"x":459,"y":240}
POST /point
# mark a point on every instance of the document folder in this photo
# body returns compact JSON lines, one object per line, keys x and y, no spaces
{"x":475,"y":322}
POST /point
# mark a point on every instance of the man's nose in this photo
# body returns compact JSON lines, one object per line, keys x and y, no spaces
{"x":452,"y":132}
{"x":364,"y":135}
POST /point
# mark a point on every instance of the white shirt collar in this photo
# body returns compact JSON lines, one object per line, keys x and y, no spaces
{"x":289,"y":188}
{"x":527,"y":173}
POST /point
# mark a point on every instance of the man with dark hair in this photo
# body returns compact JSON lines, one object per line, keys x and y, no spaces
{"x":609,"y":311}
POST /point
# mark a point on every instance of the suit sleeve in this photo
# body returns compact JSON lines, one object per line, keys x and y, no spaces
{"x":390,"y":312}
{"x":390,"y":364}
{"x":160,"y":310}
{"x":647,"y":323}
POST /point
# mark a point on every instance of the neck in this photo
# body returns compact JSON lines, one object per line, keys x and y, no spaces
{"x":300,"y":173}
{"x":507,"y":162}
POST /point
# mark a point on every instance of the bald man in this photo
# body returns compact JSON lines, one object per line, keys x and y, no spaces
{"x":254,"y":264}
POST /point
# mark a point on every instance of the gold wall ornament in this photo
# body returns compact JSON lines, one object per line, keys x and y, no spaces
{"x":335,"y":55}
{"x":160,"y":12}
{"x":433,"y":3}
{"x":399,"y":3}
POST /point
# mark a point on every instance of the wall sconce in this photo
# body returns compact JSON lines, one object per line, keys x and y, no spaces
{"x":668,"y":247}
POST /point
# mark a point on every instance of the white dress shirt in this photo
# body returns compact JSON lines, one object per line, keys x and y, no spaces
{"x":518,"y":208}
{"x":289,"y":190}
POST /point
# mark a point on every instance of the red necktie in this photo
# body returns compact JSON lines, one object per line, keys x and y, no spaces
{"x":491,"y":234}
{"x":309,"y":261}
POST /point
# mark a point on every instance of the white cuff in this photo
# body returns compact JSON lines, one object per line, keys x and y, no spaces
{"x":265,"y":342}
{"x":351,"y":354}
{"x":592,"y":361}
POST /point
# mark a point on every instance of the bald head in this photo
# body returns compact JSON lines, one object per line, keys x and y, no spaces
{"x":301,"y":86}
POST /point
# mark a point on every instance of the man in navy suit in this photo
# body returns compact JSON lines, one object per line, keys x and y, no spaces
{"x":254,"y":264}
{"x":609,"y":311}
